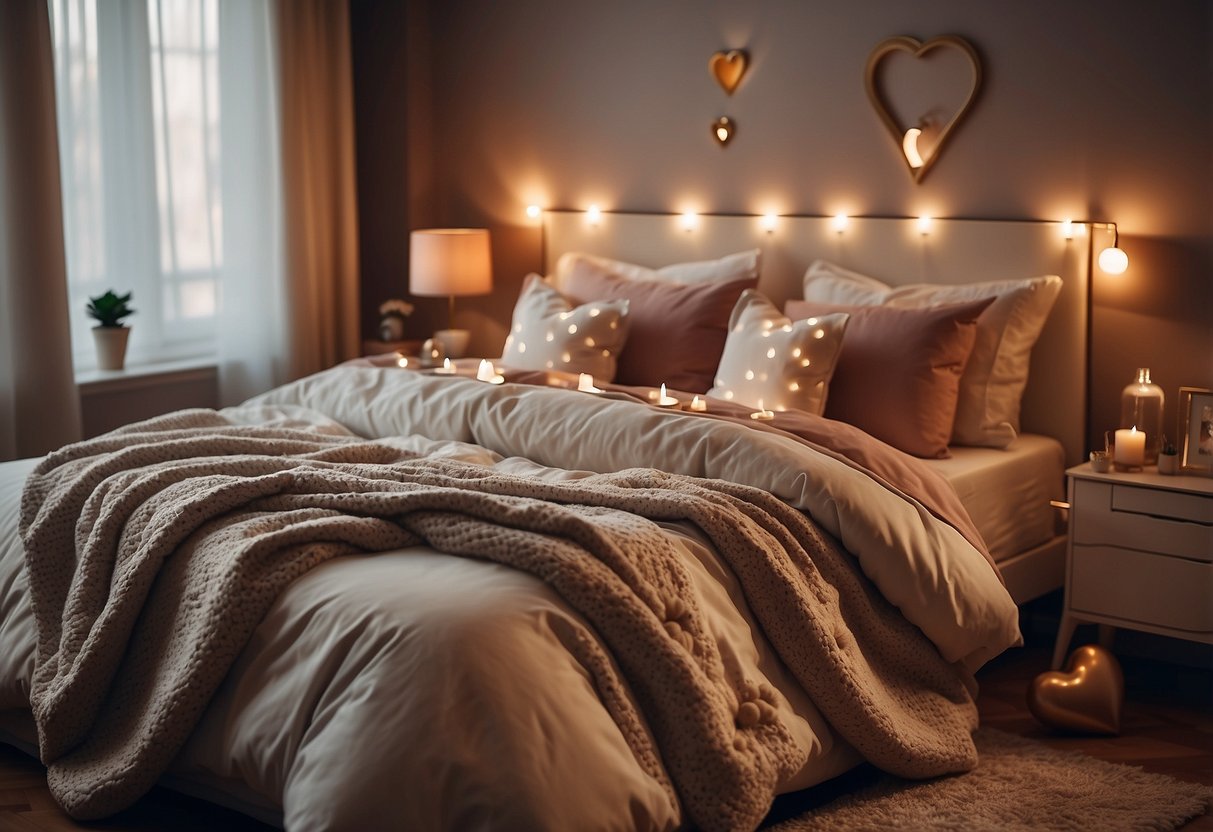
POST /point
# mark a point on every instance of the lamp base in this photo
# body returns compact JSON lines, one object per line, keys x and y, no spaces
{"x":454,"y":341}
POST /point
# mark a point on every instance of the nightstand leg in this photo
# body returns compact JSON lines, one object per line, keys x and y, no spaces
{"x":1065,"y":632}
{"x":1106,"y":634}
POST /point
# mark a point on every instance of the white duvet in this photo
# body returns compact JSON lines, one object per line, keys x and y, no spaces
{"x":417,"y":690}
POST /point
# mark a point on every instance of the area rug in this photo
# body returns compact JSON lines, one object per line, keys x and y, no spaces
{"x":1017,"y":785}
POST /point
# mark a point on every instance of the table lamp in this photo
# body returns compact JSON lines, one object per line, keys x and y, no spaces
{"x":452,"y":262}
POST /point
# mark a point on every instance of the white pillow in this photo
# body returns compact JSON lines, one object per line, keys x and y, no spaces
{"x":991,"y":388}
{"x":771,"y":360}
{"x":547,"y":333}
{"x":743,"y":264}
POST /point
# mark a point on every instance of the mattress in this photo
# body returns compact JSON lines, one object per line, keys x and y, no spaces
{"x":1007,"y":492}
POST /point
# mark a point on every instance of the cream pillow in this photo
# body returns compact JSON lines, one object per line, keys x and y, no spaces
{"x":770,"y":360}
{"x":548,"y":333}
{"x":739,"y":266}
{"x":992,"y":385}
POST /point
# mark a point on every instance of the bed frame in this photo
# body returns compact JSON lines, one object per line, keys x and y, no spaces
{"x":897,"y":251}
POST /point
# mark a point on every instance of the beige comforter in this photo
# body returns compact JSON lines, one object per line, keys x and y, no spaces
{"x":191,"y":525}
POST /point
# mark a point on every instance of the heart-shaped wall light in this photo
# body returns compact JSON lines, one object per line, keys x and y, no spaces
{"x":727,"y":67}
{"x":723,"y":130}
{"x":917,"y":158}
{"x":1086,"y":697}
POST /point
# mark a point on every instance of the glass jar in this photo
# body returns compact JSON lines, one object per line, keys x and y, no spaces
{"x":1141,"y":407}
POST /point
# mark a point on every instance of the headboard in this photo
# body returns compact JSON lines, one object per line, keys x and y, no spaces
{"x":896,"y":251}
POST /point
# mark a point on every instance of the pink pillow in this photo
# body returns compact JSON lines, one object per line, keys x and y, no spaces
{"x":898,"y":375}
{"x":676,"y":332}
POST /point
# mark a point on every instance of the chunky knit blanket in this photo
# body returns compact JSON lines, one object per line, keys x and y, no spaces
{"x":153,"y":552}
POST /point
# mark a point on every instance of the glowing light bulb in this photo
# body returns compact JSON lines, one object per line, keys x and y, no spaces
{"x":1113,"y":260}
{"x":769,"y":221}
{"x":593,"y":215}
{"x":909,"y":146}
{"x":533,"y":211}
{"x":840,"y":222}
{"x":690,"y":220}
{"x":1067,"y":229}
{"x":924,"y":224}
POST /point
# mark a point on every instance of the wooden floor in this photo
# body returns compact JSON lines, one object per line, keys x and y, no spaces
{"x":1167,"y":727}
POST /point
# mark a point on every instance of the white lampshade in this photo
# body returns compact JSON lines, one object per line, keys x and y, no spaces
{"x":450,"y":261}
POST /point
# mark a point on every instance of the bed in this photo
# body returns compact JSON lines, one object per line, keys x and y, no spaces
{"x":456,"y":602}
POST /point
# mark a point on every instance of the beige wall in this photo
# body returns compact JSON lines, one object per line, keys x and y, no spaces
{"x":471,"y":109}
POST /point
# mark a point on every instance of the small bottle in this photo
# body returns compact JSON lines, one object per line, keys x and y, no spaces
{"x":1141,"y":407}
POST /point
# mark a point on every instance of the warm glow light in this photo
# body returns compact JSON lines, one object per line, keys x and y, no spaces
{"x":769,"y":221}
{"x":722,"y":134}
{"x":593,"y":215}
{"x":1067,"y":229}
{"x":690,"y":220}
{"x":533,"y":211}
{"x":909,"y":146}
{"x":839,"y":223}
{"x":1113,"y":260}
{"x":924,"y":225}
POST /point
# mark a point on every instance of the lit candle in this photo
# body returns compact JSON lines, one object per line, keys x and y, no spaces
{"x":1130,"y":447}
{"x":447,"y":368}
{"x":585,"y":383}
{"x":762,"y":414}
{"x":487,"y":372}
{"x":699,"y":405}
{"x":664,"y":400}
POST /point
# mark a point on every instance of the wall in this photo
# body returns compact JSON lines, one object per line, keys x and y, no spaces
{"x":1089,"y":110}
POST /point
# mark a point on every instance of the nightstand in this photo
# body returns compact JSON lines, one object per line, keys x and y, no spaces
{"x":1140,"y":555}
{"x":373,"y":347}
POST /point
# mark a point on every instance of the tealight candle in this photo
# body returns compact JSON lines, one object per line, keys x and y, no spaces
{"x":585,"y":383}
{"x":762,"y":414}
{"x":447,"y":368}
{"x":1130,"y":447}
{"x":487,"y":372}
{"x":664,"y":400}
{"x":699,"y":405}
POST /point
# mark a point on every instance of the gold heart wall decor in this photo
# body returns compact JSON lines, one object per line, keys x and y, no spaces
{"x":904,"y":136}
{"x":1085,"y":698}
{"x":728,"y":67}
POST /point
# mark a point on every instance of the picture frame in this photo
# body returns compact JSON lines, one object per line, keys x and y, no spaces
{"x":1196,"y":423}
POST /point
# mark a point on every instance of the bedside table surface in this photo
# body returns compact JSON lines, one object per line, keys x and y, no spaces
{"x":1147,"y":478}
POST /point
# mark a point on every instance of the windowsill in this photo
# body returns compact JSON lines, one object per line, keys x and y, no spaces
{"x":148,"y":374}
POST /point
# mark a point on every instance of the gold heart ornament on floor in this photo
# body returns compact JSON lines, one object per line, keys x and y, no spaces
{"x":907,"y":137}
{"x":1086,"y":697}
{"x":728,"y":67}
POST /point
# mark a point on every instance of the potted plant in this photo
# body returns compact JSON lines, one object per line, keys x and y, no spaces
{"x":110,"y":334}
{"x":1168,"y":457}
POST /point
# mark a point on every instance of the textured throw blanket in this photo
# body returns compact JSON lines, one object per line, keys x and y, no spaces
{"x":153,"y":552}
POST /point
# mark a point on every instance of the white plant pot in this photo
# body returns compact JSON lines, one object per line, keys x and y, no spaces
{"x":111,"y":346}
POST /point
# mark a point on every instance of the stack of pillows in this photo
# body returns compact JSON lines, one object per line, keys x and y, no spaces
{"x":917,"y":366}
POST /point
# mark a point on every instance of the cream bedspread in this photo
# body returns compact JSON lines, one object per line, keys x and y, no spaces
{"x":341,"y":710}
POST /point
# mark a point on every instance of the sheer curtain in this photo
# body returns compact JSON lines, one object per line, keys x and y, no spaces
{"x":39,"y":408}
{"x":204,"y":172}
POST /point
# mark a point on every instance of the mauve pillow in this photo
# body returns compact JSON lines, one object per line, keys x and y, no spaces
{"x":676,"y":331}
{"x":991,"y":389}
{"x":898,"y":374}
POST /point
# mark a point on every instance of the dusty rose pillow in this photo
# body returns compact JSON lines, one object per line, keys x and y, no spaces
{"x":898,"y":374}
{"x":676,"y":332}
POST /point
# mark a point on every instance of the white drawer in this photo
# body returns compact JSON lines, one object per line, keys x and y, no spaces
{"x":1136,"y":586}
{"x":1148,"y":519}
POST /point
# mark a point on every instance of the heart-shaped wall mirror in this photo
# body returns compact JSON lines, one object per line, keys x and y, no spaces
{"x":728,"y":67}
{"x":920,"y":93}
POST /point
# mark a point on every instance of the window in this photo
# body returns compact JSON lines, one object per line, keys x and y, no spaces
{"x":137,"y":84}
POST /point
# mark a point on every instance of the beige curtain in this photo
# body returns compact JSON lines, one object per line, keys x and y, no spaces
{"x":39,"y":406}
{"x":321,"y":216}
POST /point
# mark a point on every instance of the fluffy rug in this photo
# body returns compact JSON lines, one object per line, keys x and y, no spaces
{"x":1018,"y":785}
